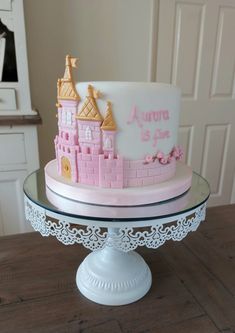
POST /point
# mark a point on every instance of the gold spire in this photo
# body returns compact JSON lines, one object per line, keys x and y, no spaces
{"x":90,"y":109}
{"x":109,"y":122}
{"x":65,"y":87}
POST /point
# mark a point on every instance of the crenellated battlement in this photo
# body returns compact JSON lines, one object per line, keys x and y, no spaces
{"x":111,"y":171}
{"x":100,"y":170}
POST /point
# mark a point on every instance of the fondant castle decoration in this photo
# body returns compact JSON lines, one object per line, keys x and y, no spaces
{"x":85,"y":144}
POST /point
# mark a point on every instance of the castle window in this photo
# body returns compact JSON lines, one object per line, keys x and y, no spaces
{"x":88,"y":134}
{"x":66,"y":136}
{"x":108,"y":143}
{"x":63,"y":117}
{"x":69,"y":118}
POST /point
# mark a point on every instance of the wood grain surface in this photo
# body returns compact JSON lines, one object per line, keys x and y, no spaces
{"x":192,"y":292}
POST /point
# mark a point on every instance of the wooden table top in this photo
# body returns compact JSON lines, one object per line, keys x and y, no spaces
{"x":193,"y":285}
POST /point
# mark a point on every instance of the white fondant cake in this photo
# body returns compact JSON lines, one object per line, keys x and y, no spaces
{"x":117,"y":135}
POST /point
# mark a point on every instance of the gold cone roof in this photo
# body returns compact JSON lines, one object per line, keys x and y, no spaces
{"x":90,"y":110}
{"x":109,"y":122}
{"x":66,"y":87}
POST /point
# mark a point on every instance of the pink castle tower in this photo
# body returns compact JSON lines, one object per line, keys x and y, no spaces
{"x":89,"y":121}
{"x":109,"y":131}
{"x":110,"y":165}
{"x":66,"y":142}
{"x":90,"y":139}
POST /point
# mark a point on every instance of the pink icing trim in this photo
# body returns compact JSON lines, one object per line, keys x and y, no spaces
{"x":84,"y":209}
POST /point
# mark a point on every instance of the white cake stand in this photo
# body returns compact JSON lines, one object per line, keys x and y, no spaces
{"x":113,"y":274}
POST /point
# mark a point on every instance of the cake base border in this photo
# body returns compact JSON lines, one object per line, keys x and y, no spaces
{"x":131,"y":196}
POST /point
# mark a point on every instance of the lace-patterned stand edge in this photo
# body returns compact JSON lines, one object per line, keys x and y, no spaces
{"x":123,"y":236}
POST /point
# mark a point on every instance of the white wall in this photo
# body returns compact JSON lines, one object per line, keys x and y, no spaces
{"x":111,"y":38}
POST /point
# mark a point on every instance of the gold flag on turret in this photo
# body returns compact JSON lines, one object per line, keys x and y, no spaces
{"x":73,"y":62}
{"x":66,"y":87}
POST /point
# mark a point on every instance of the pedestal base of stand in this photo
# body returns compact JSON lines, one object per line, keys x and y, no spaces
{"x":112,"y":277}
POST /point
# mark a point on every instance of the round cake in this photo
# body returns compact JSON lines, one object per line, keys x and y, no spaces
{"x":117,"y":139}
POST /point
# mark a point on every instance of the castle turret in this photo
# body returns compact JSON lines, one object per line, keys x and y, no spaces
{"x":65,"y":87}
{"x":109,"y":131}
{"x":67,"y":139}
{"x":68,"y":99}
{"x":89,"y":121}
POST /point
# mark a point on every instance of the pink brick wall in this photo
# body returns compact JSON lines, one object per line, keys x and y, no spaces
{"x":88,"y":168}
{"x":100,"y":171}
{"x":110,"y":172}
{"x":92,"y":168}
{"x":136,"y":173}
